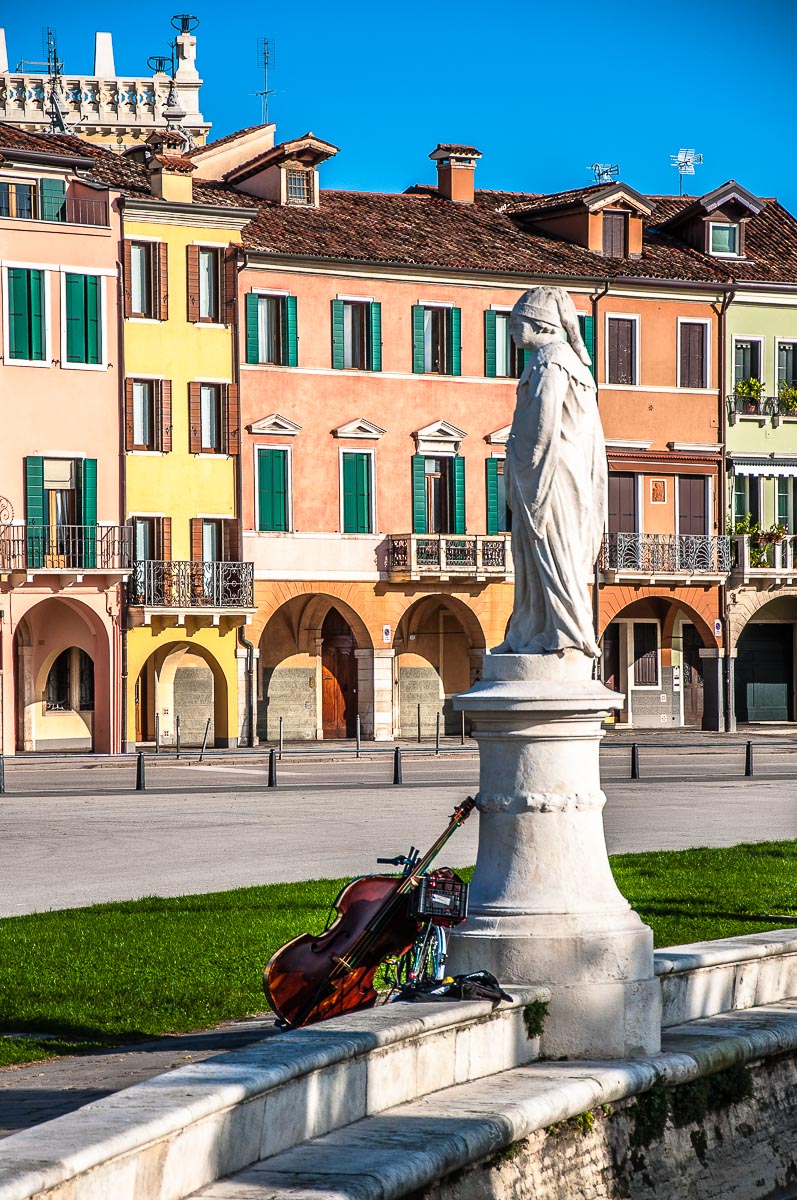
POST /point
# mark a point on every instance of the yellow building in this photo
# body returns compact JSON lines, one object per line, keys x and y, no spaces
{"x":189,"y":594}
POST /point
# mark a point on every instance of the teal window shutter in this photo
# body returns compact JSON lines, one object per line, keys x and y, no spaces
{"x":86,"y":478}
{"x":489,"y":343}
{"x":375,"y":345}
{"x":25,"y":315}
{"x":272,"y":488}
{"x":418,"y":492}
{"x":290,"y":348}
{"x":36,"y":311}
{"x":53,"y":199}
{"x":417,"y":347}
{"x":75,"y":319}
{"x":35,"y":509}
{"x":491,"y":465}
{"x":587,"y":326}
{"x":454,"y":363}
{"x":458,"y":489}
{"x":356,"y":493}
{"x":338,"y":360}
{"x":252,"y":333}
{"x":93,"y":320}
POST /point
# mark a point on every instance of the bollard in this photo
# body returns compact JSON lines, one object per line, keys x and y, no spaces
{"x":357,"y":735}
{"x":141,"y":782}
{"x":2,"y":776}
{"x":281,"y":739}
{"x":748,"y":761}
{"x":272,"y":768}
{"x":462,"y":729}
{"x":437,"y":735}
{"x":397,"y":766}
{"x":157,"y":733}
{"x":204,"y":740}
{"x":419,"y":724}
{"x":177,"y":728}
{"x":634,"y":761}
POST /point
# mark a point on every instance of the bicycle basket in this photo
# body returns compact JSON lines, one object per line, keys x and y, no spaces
{"x":441,"y":897}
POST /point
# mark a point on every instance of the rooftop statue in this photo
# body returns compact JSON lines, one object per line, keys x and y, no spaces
{"x":555,"y":481}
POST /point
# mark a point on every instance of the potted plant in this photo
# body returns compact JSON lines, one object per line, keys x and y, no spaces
{"x":787,"y":398}
{"x":746,"y":527}
{"x":749,"y":392}
{"x":776,"y":533}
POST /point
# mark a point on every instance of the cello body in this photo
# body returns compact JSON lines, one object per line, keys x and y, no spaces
{"x":309,"y":979}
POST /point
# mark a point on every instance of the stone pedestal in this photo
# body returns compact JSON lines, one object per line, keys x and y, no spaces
{"x":544,"y":907}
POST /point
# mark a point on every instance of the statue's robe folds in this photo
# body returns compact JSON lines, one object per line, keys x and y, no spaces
{"x":556,"y":488}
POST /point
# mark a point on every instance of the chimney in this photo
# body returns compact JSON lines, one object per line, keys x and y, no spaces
{"x":456,"y":166}
{"x":169,"y":169}
{"x":103,"y":56}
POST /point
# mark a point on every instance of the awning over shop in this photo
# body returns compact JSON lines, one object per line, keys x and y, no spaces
{"x":764,"y":466}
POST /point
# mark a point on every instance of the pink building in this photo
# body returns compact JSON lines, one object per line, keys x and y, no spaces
{"x":63,"y":551}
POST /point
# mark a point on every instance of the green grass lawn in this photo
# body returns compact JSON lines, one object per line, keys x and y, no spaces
{"x":115,"y":973}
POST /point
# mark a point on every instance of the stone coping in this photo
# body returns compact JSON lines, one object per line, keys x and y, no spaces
{"x":412,"y":1146}
{"x":673,"y":960}
{"x":172,"y":1134}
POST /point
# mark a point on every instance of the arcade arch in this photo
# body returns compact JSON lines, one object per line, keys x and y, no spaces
{"x":439,"y":645}
{"x":186,"y":680}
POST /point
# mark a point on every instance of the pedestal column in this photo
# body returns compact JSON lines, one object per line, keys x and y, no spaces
{"x":544,"y":907}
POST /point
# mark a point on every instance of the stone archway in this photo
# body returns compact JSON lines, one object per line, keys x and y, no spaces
{"x":765,"y":671}
{"x":439,"y":647}
{"x":186,"y":681}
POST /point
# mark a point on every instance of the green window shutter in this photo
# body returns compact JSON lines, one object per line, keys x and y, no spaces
{"x":252,"y":333}
{"x":417,"y":347}
{"x":356,"y":493}
{"x":18,"y":313}
{"x":53,"y":199}
{"x":418,"y":493}
{"x":36,"y":311}
{"x":337,"y":335}
{"x":86,"y":473}
{"x":375,"y":346}
{"x":290,"y":348}
{"x":35,"y":509}
{"x":75,"y":319}
{"x":491,"y":465}
{"x":272,"y":505}
{"x":93,"y":320}
{"x":587,"y":327}
{"x":458,"y":488}
{"x":454,"y":363}
{"x":489,"y":343}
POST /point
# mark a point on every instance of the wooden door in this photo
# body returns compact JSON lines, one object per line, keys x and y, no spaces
{"x":692,"y":676}
{"x":338,"y":678}
{"x":622,"y":502}
{"x":692,"y":504}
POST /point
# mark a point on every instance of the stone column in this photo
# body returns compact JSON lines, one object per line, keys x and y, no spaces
{"x":544,"y":907}
{"x":375,"y":693}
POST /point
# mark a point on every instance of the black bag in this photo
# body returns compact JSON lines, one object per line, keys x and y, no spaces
{"x":478,"y":985}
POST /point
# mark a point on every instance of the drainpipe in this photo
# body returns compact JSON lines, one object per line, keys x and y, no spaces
{"x":250,"y":679}
{"x":242,"y":263}
{"x":596,"y":298}
{"x":727,"y":679}
{"x":120,"y":299}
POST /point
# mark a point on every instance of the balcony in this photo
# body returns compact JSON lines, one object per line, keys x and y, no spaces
{"x":191,"y":588}
{"x":74,"y":210}
{"x":757,"y":560}
{"x":444,"y":556}
{"x":66,"y":549}
{"x":670,"y":556}
{"x":762,"y":409}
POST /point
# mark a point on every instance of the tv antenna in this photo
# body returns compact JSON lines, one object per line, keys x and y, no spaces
{"x":604,"y":172}
{"x":266,"y":58}
{"x":685,"y":162}
{"x":55,"y":107}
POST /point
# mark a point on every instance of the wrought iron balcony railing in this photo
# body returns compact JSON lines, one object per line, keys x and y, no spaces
{"x":665,"y":554}
{"x":158,"y":584}
{"x":33,"y":547}
{"x":757,"y":557}
{"x":417,"y":554}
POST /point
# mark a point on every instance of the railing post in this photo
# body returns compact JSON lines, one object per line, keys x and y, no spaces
{"x":462,"y":729}
{"x":437,"y":734}
{"x":413,"y":541}
{"x":634,"y":761}
{"x":204,"y":740}
{"x":397,"y":776}
{"x":177,"y":732}
{"x":141,"y":782}
{"x":442,"y":547}
{"x":281,"y":732}
{"x":357,"y":735}
{"x":479,"y":554}
{"x":157,"y":733}
{"x":748,"y":761}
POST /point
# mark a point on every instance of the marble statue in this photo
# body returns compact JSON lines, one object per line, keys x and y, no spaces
{"x":555,"y":481}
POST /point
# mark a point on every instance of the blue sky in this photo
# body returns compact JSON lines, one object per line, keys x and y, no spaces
{"x":542,"y":90}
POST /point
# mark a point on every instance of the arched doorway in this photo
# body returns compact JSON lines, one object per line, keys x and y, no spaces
{"x":186,"y":682}
{"x":765,"y":665}
{"x":338,"y":677}
{"x":439,"y":647}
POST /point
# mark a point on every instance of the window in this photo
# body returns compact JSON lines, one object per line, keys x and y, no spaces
{"x":70,"y":682}
{"x":355,"y":336}
{"x":211,"y":541}
{"x":26,"y":324}
{"x":615,"y":234}
{"x":210,"y":418}
{"x":787,"y":364}
{"x":143,"y":415}
{"x":724,"y":238}
{"x":299,"y":189}
{"x":502,"y":358}
{"x":148,"y":414}
{"x":271,"y":332}
{"x":746,"y":498}
{"x":141,"y":280}
{"x":356,"y":471}
{"x":646,"y":656}
{"x":58,"y":684}
{"x":146,"y":280}
{"x":499,"y":515}
{"x":18,"y":200}
{"x":272,"y":490}
{"x":436,"y":340}
{"x":787,"y":503}
{"x":144,"y":538}
{"x":209,"y":277}
{"x":83,"y":319}
{"x":438,"y":494}
{"x":621,"y":348}
{"x":746,"y":359}
{"x":692,"y":355}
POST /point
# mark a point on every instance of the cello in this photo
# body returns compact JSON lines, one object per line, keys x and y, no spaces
{"x":315,"y":977}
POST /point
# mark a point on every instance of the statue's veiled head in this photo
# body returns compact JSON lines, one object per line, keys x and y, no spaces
{"x":540,"y":316}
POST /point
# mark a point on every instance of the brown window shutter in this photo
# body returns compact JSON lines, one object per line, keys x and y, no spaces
{"x":128,"y":414}
{"x":164,"y":548}
{"x":232,"y":541}
{"x":192,"y":282}
{"x":194,"y":419}
{"x":196,"y":539}
{"x":127,"y":272}
{"x":229,"y":285}
{"x":165,"y":414}
{"x":162,"y":293}
{"x":232,"y":424}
